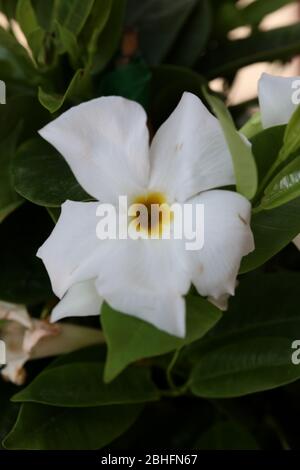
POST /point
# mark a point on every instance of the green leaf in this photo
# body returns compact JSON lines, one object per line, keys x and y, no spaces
{"x":26,"y":17}
{"x":109,"y":38}
{"x":94,"y":26}
{"x":291,"y":141}
{"x":66,"y":42}
{"x":23,"y":278}
{"x":250,"y":349}
{"x":159,"y":23}
{"x":273,"y":230}
{"x":131,"y":81}
{"x":8,"y":410}
{"x":266,"y":146}
{"x":41,"y":427}
{"x":13,"y":128}
{"x":41,"y":175}
{"x":15,"y":62}
{"x":247,"y":366}
{"x":80,"y":384}
{"x":9,"y":199}
{"x":284,"y":187}
{"x":193,"y":37}
{"x":253,"y":126}
{"x":242,"y":156}
{"x":54,"y":101}
{"x":72,"y":14}
{"x":226,"y":435}
{"x":143,"y":340}
{"x":276,"y":44}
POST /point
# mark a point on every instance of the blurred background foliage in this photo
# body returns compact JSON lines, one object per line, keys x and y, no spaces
{"x":58,"y":53}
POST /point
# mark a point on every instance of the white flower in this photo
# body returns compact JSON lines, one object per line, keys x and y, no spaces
{"x":28,"y":338}
{"x":278,"y":99}
{"x":106,"y":143}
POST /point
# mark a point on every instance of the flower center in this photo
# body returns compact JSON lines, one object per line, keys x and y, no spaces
{"x":152,"y":213}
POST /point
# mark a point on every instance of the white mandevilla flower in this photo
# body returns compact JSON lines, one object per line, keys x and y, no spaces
{"x":106,"y":144}
{"x":28,"y":338}
{"x":278,"y":99}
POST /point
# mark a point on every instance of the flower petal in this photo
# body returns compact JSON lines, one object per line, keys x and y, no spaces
{"x":275,"y":99}
{"x":227,"y":238}
{"x":105,"y":142}
{"x":145,"y":278}
{"x":71,"y":253}
{"x":297,"y":241}
{"x":81,"y":300}
{"x":189,"y":153}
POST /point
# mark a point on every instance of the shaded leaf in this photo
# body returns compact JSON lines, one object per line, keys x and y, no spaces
{"x":80,"y":384}
{"x":41,"y":175}
{"x":144,"y":340}
{"x":241,"y":152}
{"x":41,"y":427}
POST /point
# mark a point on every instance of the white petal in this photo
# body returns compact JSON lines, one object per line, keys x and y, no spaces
{"x":275,"y":99}
{"x":297,"y":241}
{"x":105,"y":142}
{"x":189,"y":153}
{"x":81,"y":300}
{"x":71,"y":253}
{"x":146,"y":279}
{"x":166,"y":312}
{"x":227,"y":238}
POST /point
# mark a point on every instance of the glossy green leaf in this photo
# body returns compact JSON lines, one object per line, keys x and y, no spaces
{"x":247,"y":366}
{"x":143,"y":340}
{"x":250,"y":349}
{"x":9,"y":199}
{"x":284,"y":187}
{"x":241,"y":152}
{"x":26,"y":17}
{"x":41,"y":427}
{"x":80,"y":384}
{"x":291,"y":141}
{"x":13,"y":128}
{"x":66,"y":42}
{"x":273,"y":230}
{"x":72,"y":14}
{"x":54,"y":101}
{"x":41,"y":175}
